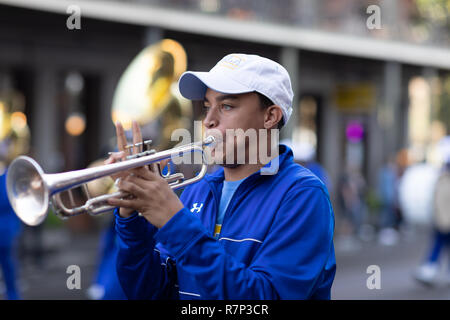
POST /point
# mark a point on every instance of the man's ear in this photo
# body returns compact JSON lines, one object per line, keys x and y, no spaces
{"x":272,"y":117}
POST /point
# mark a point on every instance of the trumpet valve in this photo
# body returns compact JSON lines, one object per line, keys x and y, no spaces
{"x":142,"y":146}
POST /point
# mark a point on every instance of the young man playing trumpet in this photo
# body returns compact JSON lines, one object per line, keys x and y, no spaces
{"x":238,"y":233}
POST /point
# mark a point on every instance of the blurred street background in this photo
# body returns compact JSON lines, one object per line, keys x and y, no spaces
{"x":371,"y":118}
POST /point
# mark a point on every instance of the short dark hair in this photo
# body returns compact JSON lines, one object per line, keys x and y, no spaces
{"x":265,"y":102}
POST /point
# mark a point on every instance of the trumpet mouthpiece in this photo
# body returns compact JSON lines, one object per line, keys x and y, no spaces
{"x":210,"y":141}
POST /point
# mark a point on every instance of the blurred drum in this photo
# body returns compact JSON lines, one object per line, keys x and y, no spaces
{"x":416,"y":192}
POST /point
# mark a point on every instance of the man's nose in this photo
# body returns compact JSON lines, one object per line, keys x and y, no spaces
{"x":211,"y":119}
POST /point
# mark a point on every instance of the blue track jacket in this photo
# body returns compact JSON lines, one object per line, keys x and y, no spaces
{"x":276,"y":241}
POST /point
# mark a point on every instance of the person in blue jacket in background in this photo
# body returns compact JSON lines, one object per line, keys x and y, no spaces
{"x":259,"y":230}
{"x":106,"y":285}
{"x":10,"y":228}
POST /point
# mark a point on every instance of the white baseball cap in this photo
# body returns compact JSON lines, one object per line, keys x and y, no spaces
{"x":241,"y":73}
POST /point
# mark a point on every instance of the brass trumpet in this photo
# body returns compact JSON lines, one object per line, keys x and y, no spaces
{"x":31,"y":191}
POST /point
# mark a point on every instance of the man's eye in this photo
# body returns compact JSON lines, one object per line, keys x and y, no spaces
{"x":227,"y":107}
{"x":205,"y":109}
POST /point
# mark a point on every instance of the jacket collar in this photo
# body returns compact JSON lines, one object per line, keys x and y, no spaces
{"x":285,"y":157}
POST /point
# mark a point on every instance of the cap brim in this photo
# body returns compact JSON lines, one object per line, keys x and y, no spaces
{"x":193,"y":85}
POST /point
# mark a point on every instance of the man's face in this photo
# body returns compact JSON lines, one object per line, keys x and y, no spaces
{"x":231,"y":111}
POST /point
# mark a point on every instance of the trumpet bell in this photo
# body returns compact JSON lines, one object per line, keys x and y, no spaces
{"x":27,"y":191}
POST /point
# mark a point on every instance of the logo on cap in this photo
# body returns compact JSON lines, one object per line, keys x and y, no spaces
{"x":232,"y":61}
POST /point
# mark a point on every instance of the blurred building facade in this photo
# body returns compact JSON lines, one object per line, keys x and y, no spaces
{"x":361,"y":93}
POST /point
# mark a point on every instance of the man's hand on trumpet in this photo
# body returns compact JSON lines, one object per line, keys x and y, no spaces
{"x":121,"y":155}
{"x":151,"y":195}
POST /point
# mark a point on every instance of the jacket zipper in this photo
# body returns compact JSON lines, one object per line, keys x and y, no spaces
{"x":216,"y":203}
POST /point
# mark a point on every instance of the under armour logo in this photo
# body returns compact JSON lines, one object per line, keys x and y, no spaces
{"x":196,"y":207}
